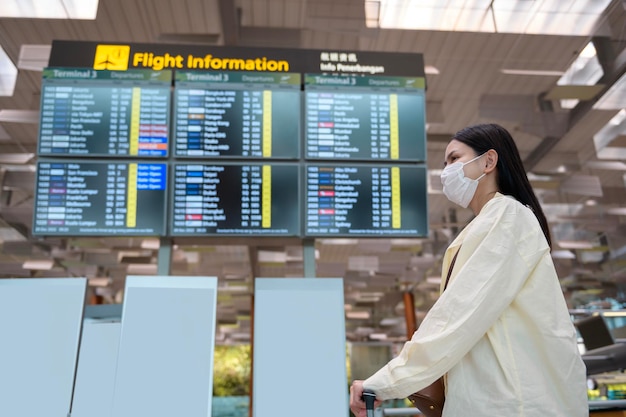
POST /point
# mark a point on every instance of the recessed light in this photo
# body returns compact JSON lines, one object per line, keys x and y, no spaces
{"x":431,"y":70}
{"x":544,"y":73}
{"x":38,"y":264}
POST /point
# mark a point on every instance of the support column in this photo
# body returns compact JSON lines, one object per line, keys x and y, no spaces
{"x":409,"y":313}
{"x":164,"y":257}
{"x":308,"y":255}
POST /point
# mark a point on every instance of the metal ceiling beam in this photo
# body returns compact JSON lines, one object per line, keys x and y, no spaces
{"x":614,"y":68}
{"x":548,"y":141}
{"x":230,"y":17}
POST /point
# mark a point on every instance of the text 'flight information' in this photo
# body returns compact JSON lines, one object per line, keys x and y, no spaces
{"x":235,"y":199}
{"x":365,"y":200}
{"x":364,"y":118}
{"x":237,"y":115}
{"x":105,"y":113}
{"x":100,"y":198}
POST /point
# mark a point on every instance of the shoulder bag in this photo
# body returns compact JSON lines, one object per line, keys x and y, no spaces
{"x":430,"y":400}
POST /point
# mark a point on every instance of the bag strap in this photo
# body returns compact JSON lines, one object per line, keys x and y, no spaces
{"x":450,"y":269}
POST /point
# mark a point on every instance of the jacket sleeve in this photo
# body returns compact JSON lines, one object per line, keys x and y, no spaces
{"x":498,"y":253}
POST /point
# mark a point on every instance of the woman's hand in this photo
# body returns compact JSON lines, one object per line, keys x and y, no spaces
{"x":357,"y":405}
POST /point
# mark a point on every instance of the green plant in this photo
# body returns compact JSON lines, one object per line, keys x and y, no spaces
{"x":231,"y":370}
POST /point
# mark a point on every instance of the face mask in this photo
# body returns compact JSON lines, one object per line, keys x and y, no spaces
{"x":456,"y":186}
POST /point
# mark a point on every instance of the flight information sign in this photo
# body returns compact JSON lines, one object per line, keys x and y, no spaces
{"x":365,"y":118}
{"x":366,"y":200}
{"x":235,"y":199}
{"x":105,"y":113}
{"x":237,"y":114}
{"x":99,"y":198}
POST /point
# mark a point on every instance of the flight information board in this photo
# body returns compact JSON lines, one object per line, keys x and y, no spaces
{"x":104,"y":113}
{"x":235,"y":199}
{"x":366,"y":200}
{"x":365,"y":118}
{"x":235,"y":114}
{"x":100,"y":198}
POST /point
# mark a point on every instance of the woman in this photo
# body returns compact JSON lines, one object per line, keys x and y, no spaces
{"x":500,"y":331}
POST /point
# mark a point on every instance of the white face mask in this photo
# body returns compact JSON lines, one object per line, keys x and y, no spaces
{"x":456,"y":186}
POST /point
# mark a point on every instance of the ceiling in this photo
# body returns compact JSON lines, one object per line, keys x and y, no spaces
{"x":584,"y":197}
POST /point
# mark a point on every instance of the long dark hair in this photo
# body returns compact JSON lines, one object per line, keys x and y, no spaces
{"x":512,"y":179}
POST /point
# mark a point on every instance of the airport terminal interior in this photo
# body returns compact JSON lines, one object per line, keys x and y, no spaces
{"x":552,"y":72}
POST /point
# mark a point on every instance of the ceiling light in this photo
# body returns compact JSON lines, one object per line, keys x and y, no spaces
{"x":573,"y":244}
{"x":38,"y":264}
{"x":614,"y":313}
{"x":8,"y":74}
{"x":563,"y":254}
{"x":407,"y":242}
{"x":235,"y":287}
{"x":16,"y":158}
{"x":236,"y":277}
{"x":358,"y":315}
{"x":431,"y":70}
{"x":50,"y":9}
{"x":99,"y":281}
{"x":19,"y":116}
{"x":265,"y":256}
{"x":392,"y":321}
{"x":339,"y":241}
{"x":141,"y":269}
{"x":19,"y":168}
{"x":369,"y":296}
{"x":151,"y":244}
{"x":433,"y":280}
{"x":546,"y":73}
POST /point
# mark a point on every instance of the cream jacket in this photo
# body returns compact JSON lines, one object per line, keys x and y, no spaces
{"x":501,"y":330}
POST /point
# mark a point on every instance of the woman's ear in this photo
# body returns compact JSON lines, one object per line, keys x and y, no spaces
{"x":491,"y":161}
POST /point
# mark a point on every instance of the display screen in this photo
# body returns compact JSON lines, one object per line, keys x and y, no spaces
{"x":230,"y":114}
{"x":253,"y":154}
{"x":100,"y":198}
{"x":235,"y":199}
{"x":366,"y":200}
{"x":105,"y":113}
{"x":365,"y":118}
